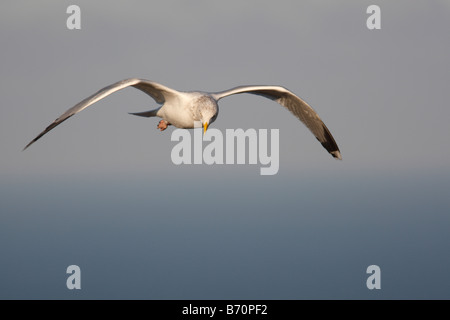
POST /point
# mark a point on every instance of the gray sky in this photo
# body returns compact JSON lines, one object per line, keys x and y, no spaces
{"x":383,"y":94}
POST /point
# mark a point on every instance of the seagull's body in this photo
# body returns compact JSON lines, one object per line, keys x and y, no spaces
{"x":186,"y":109}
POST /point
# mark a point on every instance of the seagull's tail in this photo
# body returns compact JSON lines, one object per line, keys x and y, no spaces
{"x":151,"y":113}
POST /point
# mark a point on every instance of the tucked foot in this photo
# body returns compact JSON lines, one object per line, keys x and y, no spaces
{"x":162,"y":125}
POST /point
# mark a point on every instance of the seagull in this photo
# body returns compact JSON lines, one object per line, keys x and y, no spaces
{"x":189,"y":109}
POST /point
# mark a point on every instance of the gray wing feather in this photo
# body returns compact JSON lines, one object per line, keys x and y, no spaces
{"x":294,"y":104}
{"x":157,"y":91}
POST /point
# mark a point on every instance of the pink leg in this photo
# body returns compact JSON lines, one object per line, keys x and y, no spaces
{"x":162,"y":125}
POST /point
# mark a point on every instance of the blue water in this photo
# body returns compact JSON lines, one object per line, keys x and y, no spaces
{"x":225,"y":237}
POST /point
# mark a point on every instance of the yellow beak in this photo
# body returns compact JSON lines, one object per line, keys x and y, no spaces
{"x":205,"y":127}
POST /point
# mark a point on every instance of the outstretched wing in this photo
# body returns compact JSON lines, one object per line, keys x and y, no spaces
{"x":297,"y":106}
{"x":157,"y":91}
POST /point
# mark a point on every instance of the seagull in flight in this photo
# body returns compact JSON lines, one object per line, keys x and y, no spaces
{"x":188,"y":109}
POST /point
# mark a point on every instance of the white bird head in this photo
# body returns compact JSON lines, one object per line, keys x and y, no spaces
{"x":208,"y":109}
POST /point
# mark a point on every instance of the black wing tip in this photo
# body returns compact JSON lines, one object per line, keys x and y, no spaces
{"x":38,"y":137}
{"x":330,"y":144}
{"x":332,"y":149}
{"x":50,"y":127}
{"x":28,"y":145}
{"x":336,"y":154}
{"x":33,"y":141}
